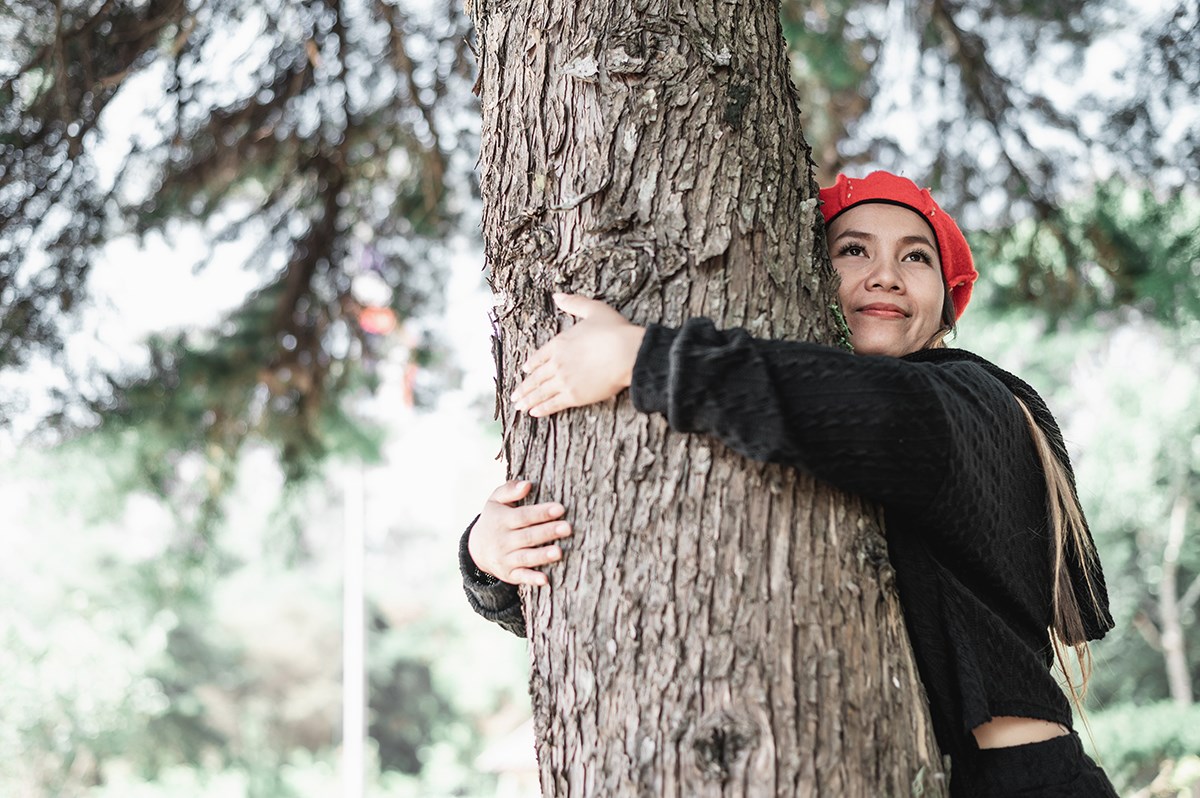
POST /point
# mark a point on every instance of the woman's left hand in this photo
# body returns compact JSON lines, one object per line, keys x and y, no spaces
{"x":588,"y":363}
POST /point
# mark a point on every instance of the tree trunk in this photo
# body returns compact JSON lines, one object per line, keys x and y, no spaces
{"x":717,"y":626}
{"x":1174,"y":646}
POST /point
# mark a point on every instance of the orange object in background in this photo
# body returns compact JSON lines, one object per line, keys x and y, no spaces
{"x":377,"y":321}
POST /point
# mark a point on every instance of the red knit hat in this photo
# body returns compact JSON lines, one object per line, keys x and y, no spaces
{"x":958,"y":267}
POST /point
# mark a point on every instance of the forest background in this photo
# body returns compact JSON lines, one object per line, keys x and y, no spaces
{"x":242,"y":290}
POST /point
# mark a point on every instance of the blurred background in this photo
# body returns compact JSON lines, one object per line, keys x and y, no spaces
{"x":246,"y":379}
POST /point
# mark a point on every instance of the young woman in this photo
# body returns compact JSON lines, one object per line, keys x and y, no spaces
{"x":996,"y":570}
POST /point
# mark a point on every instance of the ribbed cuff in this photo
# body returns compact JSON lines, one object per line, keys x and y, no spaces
{"x":652,"y":370}
{"x":494,"y":600}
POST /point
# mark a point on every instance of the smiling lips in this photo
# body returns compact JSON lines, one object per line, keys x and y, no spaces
{"x":884,"y":310}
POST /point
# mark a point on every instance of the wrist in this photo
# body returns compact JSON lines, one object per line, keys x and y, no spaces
{"x":634,"y":344}
{"x":466,"y":560}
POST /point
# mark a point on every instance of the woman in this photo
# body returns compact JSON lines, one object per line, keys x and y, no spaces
{"x":984,"y":529}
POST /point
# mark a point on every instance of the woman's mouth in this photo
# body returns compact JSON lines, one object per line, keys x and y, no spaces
{"x":883,"y":310}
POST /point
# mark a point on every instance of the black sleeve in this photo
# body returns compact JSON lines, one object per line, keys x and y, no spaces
{"x":496,"y":601}
{"x":875,"y":426}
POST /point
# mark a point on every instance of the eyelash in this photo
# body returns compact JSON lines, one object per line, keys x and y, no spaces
{"x":923,"y":256}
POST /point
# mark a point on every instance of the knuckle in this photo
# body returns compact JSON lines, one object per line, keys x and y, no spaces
{"x":529,"y":537}
{"x":519,"y":519}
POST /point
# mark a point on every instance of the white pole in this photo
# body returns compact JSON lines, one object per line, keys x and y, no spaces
{"x":354,"y":692}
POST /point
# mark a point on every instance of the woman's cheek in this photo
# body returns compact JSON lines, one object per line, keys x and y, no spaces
{"x":844,"y":289}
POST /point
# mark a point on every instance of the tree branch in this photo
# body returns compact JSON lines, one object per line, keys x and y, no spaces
{"x":1147,"y":629}
{"x":1190,"y":595}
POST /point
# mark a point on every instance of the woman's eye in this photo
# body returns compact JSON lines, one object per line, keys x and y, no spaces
{"x":852,"y":249}
{"x":919,"y":255}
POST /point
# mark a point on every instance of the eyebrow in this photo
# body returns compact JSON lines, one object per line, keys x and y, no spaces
{"x":916,"y":239}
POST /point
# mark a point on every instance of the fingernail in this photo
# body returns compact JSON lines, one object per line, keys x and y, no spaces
{"x":563,"y":529}
{"x":555,"y":509}
{"x":555,"y":553}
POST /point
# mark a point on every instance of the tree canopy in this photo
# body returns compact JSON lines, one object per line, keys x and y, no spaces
{"x":338,"y":135}
{"x":333,"y":135}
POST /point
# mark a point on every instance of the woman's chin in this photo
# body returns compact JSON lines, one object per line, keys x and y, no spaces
{"x":874,"y":343}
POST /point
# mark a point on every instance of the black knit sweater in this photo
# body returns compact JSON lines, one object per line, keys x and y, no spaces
{"x":936,"y":438}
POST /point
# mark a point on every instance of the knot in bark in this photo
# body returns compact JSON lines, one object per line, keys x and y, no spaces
{"x":722,"y":741}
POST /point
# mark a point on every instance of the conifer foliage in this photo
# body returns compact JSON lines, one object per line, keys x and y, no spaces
{"x":323,"y":131}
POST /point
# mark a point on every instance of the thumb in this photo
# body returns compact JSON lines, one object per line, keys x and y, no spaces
{"x":576,"y":305}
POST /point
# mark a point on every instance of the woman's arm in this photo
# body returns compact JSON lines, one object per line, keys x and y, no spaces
{"x":503,"y":547}
{"x":876,"y":426}
{"x":496,"y":601}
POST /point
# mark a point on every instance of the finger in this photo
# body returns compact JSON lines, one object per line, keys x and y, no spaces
{"x":512,"y":491}
{"x":533,"y":514}
{"x":539,"y":357}
{"x":579,"y":306}
{"x":539,"y":394}
{"x":555,"y":404}
{"x":534,"y":558}
{"x":538,"y":534}
{"x":537,"y":379}
{"x":527,"y":576}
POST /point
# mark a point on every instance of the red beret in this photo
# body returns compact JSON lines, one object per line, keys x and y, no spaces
{"x":958,"y":267}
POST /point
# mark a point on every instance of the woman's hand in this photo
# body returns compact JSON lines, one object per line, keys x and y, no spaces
{"x":508,"y":542}
{"x":588,"y":363}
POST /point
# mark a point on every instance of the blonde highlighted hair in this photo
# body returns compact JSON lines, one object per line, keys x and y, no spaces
{"x":1068,"y":630}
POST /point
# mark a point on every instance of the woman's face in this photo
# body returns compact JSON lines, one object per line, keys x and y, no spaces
{"x":891,"y":291}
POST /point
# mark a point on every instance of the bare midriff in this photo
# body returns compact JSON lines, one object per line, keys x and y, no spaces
{"x":1005,"y":731}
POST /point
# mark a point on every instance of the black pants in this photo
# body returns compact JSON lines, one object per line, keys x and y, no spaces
{"x":1055,"y":768}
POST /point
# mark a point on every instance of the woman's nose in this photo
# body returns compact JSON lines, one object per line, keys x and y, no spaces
{"x":885,"y":275}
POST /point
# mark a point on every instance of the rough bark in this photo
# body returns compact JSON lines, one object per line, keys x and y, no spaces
{"x":718,"y":626}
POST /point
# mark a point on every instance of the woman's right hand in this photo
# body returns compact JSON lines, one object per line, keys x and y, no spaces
{"x":510,"y":542}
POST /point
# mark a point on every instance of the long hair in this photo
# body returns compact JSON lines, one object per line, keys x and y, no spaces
{"x":1069,"y":532}
{"x":1070,"y":539}
{"x":949,"y":324}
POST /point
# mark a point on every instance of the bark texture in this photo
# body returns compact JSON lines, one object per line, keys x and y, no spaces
{"x":718,"y":626}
